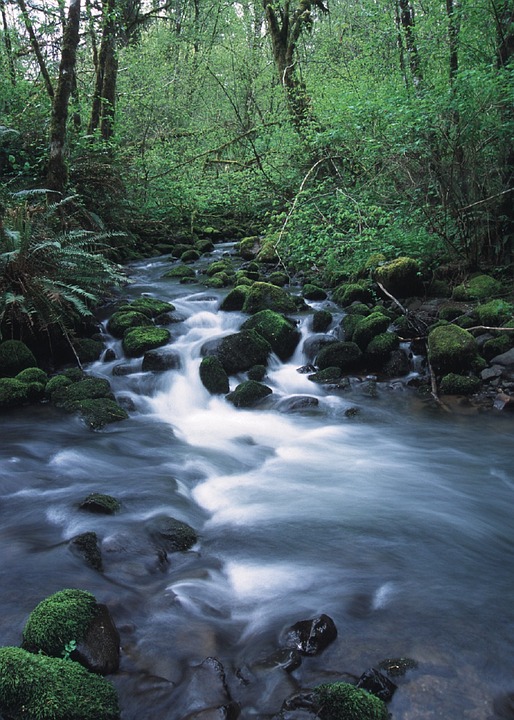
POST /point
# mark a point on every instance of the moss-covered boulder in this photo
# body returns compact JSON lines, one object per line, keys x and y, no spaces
{"x":321,"y":321}
{"x":99,"y":412}
{"x":235,"y":299}
{"x":345,"y":356}
{"x":140,"y":339}
{"x":278,"y":278}
{"x":248,"y":394}
{"x":249,"y":247}
{"x":86,"y":389}
{"x":204,"y":245}
{"x":219,"y":280}
{"x":190,"y":256}
{"x":257,"y":372}
{"x":184,"y":273}
{"x":161,"y":360}
{"x":280,"y":332}
{"x":451,"y":349}
{"x":379,"y":349}
{"x":149,"y":306}
{"x":479,"y":287}
{"x":498,"y":345}
{"x":100,"y":504}
{"x":33,"y":374}
{"x":455,"y":384}
{"x":171,"y":535}
{"x":368,"y":327}
{"x":123,"y":320}
{"x":15,"y":356}
{"x":348,"y":293}
{"x":213,"y":376}
{"x":218,"y":266}
{"x":47,"y":688}
{"x":13,"y":393}
{"x":242,"y":350}
{"x":400,"y":277}
{"x":268,"y":253}
{"x":343,"y":701}
{"x":494,"y":313}
{"x":328,"y":376}
{"x":86,"y":545}
{"x":265,"y":296}
{"x":57,"y":383}
{"x":88,"y":350}
{"x":313,"y":292}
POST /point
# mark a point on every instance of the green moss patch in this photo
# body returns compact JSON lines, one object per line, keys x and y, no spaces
{"x":140,"y":339}
{"x":122,"y":320}
{"x":451,"y":349}
{"x":368,"y":327}
{"x":15,"y":356}
{"x":342,"y":701}
{"x":265,"y":296}
{"x":480,"y":287}
{"x":235,"y":299}
{"x":248,"y":393}
{"x":240,"y":351}
{"x":213,"y":376}
{"x":401,"y":277}
{"x":281,"y":333}
{"x":455,"y":384}
{"x":13,"y":392}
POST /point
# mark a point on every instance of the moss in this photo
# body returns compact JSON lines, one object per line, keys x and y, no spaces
{"x":497,"y":346}
{"x":328,"y":375}
{"x":33,"y":374}
{"x":180,"y":272}
{"x":380,"y":347}
{"x":248,"y":393}
{"x":450,"y":312}
{"x":87,"y":545}
{"x":342,"y":355}
{"x":123,"y":320}
{"x":190,"y":256}
{"x":240,"y":351}
{"x":281,"y":333}
{"x":140,"y":339}
{"x":342,"y":701}
{"x":149,"y":306}
{"x":257,"y":373}
{"x":219,"y":280}
{"x":13,"y":393}
{"x":74,"y":374}
{"x":15,"y":356}
{"x":204,"y":246}
{"x":249,"y":247}
{"x":100,"y":503}
{"x":278,"y":278}
{"x":368,"y":327}
{"x":494,"y":313}
{"x":401,"y":277}
{"x":57,"y":383}
{"x":267,"y":253}
{"x":86,"y":389}
{"x":265,"y":296}
{"x":451,"y":349}
{"x":213,"y":376}
{"x":480,"y":287}
{"x":87,"y":349}
{"x":321,"y":321}
{"x":358,"y":308}
{"x":170,"y":534}
{"x":348,"y":293}
{"x":98,"y":412}
{"x":35,"y":686}
{"x":241,"y":278}
{"x":313,"y":292}
{"x":61,"y":617}
{"x":179,"y":249}
{"x":454,"y":384}
{"x":235,"y":299}
{"x":218,"y":266}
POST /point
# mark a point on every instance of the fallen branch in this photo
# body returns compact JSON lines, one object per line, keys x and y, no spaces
{"x":391,"y":297}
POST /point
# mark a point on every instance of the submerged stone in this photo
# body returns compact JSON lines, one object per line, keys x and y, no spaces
{"x":310,"y":637}
{"x":170,"y":534}
{"x":100,"y":503}
{"x":86,"y":545}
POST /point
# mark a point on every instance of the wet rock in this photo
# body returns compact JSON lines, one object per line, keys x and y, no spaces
{"x":306,"y":369}
{"x":321,"y":321}
{"x":313,"y":292}
{"x":139,"y":340}
{"x":86,"y":545}
{"x":159,"y":360}
{"x":122,"y":320}
{"x":124,"y":369}
{"x":149,"y":306}
{"x":265,"y":296}
{"x":328,"y":376}
{"x":377,"y":684}
{"x":171,"y":535}
{"x":343,"y":355}
{"x":396,"y":667}
{"x":213,"y":376}
{"x":368,"y":327}
{"x":257,"y":372}
{"x":109,"y":355}
{"x":397,"y":365}
{"x":310,"y":637}
{"x":206,"y":694}
{"x":277,"y":330}
{"x":240,"y":351}
{"x":99,"y":651}
{"x":297,"y":403}
{"x":506,"y":359}
{"x":248,"y":393}
{"x":315,"y":343}
{"x":100,"y":503}
{"x":235,"y":299}
{"x":99,"y":412}
{"x":502,"y":401}
{"x":287,"y":659}
{"x":491,"y":373}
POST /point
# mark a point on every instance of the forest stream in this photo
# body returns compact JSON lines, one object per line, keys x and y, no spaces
{"x":375,"y":508}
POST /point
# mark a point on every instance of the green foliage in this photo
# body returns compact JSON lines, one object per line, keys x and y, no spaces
{"x":47,"y":688}
{"x":62,"y":617}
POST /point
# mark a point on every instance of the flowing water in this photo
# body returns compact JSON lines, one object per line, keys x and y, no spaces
{"x":373,"y":507}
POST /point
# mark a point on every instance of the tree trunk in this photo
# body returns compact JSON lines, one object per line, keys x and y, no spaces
{"x":57,"y":167}
{"x":407,"y":22}
{"x":8,"y":45}
{"x":102,"y":111}
{"x":35,"y":47}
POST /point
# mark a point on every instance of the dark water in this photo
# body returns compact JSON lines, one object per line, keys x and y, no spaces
{"x":396,"y":521}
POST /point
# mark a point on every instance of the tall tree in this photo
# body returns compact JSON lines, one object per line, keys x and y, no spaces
{"x":36,"y":47}
{"x":8,"y":44}
{"x":57,"y":176}
{"x":104,"y":98}
{"x":405,"y":11}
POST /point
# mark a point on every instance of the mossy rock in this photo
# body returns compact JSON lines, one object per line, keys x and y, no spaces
{"x":149,"y":306}
{"x":180,"y":272}
{"x":349,"y":323}
{"x":267,"y":254}
{"x":248,"y":394}
{"x":265,"y":296}
{"x":249,"y":247}
{"x":451,"y":349}
{"x":257,"y":373}
{"x":218,"y":266}
{"x":86,"y":389}
{"x":219,"y":280}
{"x":281,"y":333}
{"x":280,"y":279}
{"x":86,"y":545}
{"x":241,"y":278}
{"x":88,"y":350}
{"x":213,"y":376}
{"x":321,"y":321}
{"x":480,"y":287}
{"x":450,"y":312}
{"x":368,"y":327}
{"x":100,"y":504}
{"x":235,"y":299}
{"x":380,"y":348}
{"x":61,"y":617}
{"x":140,"y":339}
{"x":342,"y":701}
{"x":204,"y":246}
{"x":326,"y":376}
{"x":343,"y":355}
{"x":190,"y":256}
{"x":124,"y":320}
{"x":171,"y":535}
{"x":494,"y":313}
{"x":74,"y":374}
{"x":240,"y":351}
{"x":497,"y":346}
{"x":57,"y":383}
{"x":313,"y":292}
{"x":15,"y":356}
{"x":99,"y":412}
{"x":455,"y":384}
{"x":348,"y":293}
{"x":180,"y":248}
{"x":13,"y":393}
{"x":358,"y":308}
{"x":33,"y":374}
{"x":47,"y":688}
{"x":400,"y":277}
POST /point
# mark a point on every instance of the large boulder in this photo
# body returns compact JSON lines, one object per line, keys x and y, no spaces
{"x":368,"y":327}
{"x":140,"y":339}
{"x":451,"y":349}
{"x":342,"y":355}
{"x":265,"y":296}
{"x":248,"y":394}
{"x":235,"y":299}
{"x":213,"y":376}
{"x":281,"y":333}
{"x":347,"y":293}
{"x":343,"y":701}
{"x":159,"y":360}
{"x":99,"y":412}
{"x":15,"y":356}
{"x":47,"y":688}
{"x":123,"y":320}
{"x":90,"y":388}
{"x":479,"y":287}
{"x":13,"y":393}
{"x":242,"y":350}
{"x":400,"y":277}
{"x":149,"y":306}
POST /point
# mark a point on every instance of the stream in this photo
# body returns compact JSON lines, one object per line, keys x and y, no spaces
{"x":376,"y":508}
